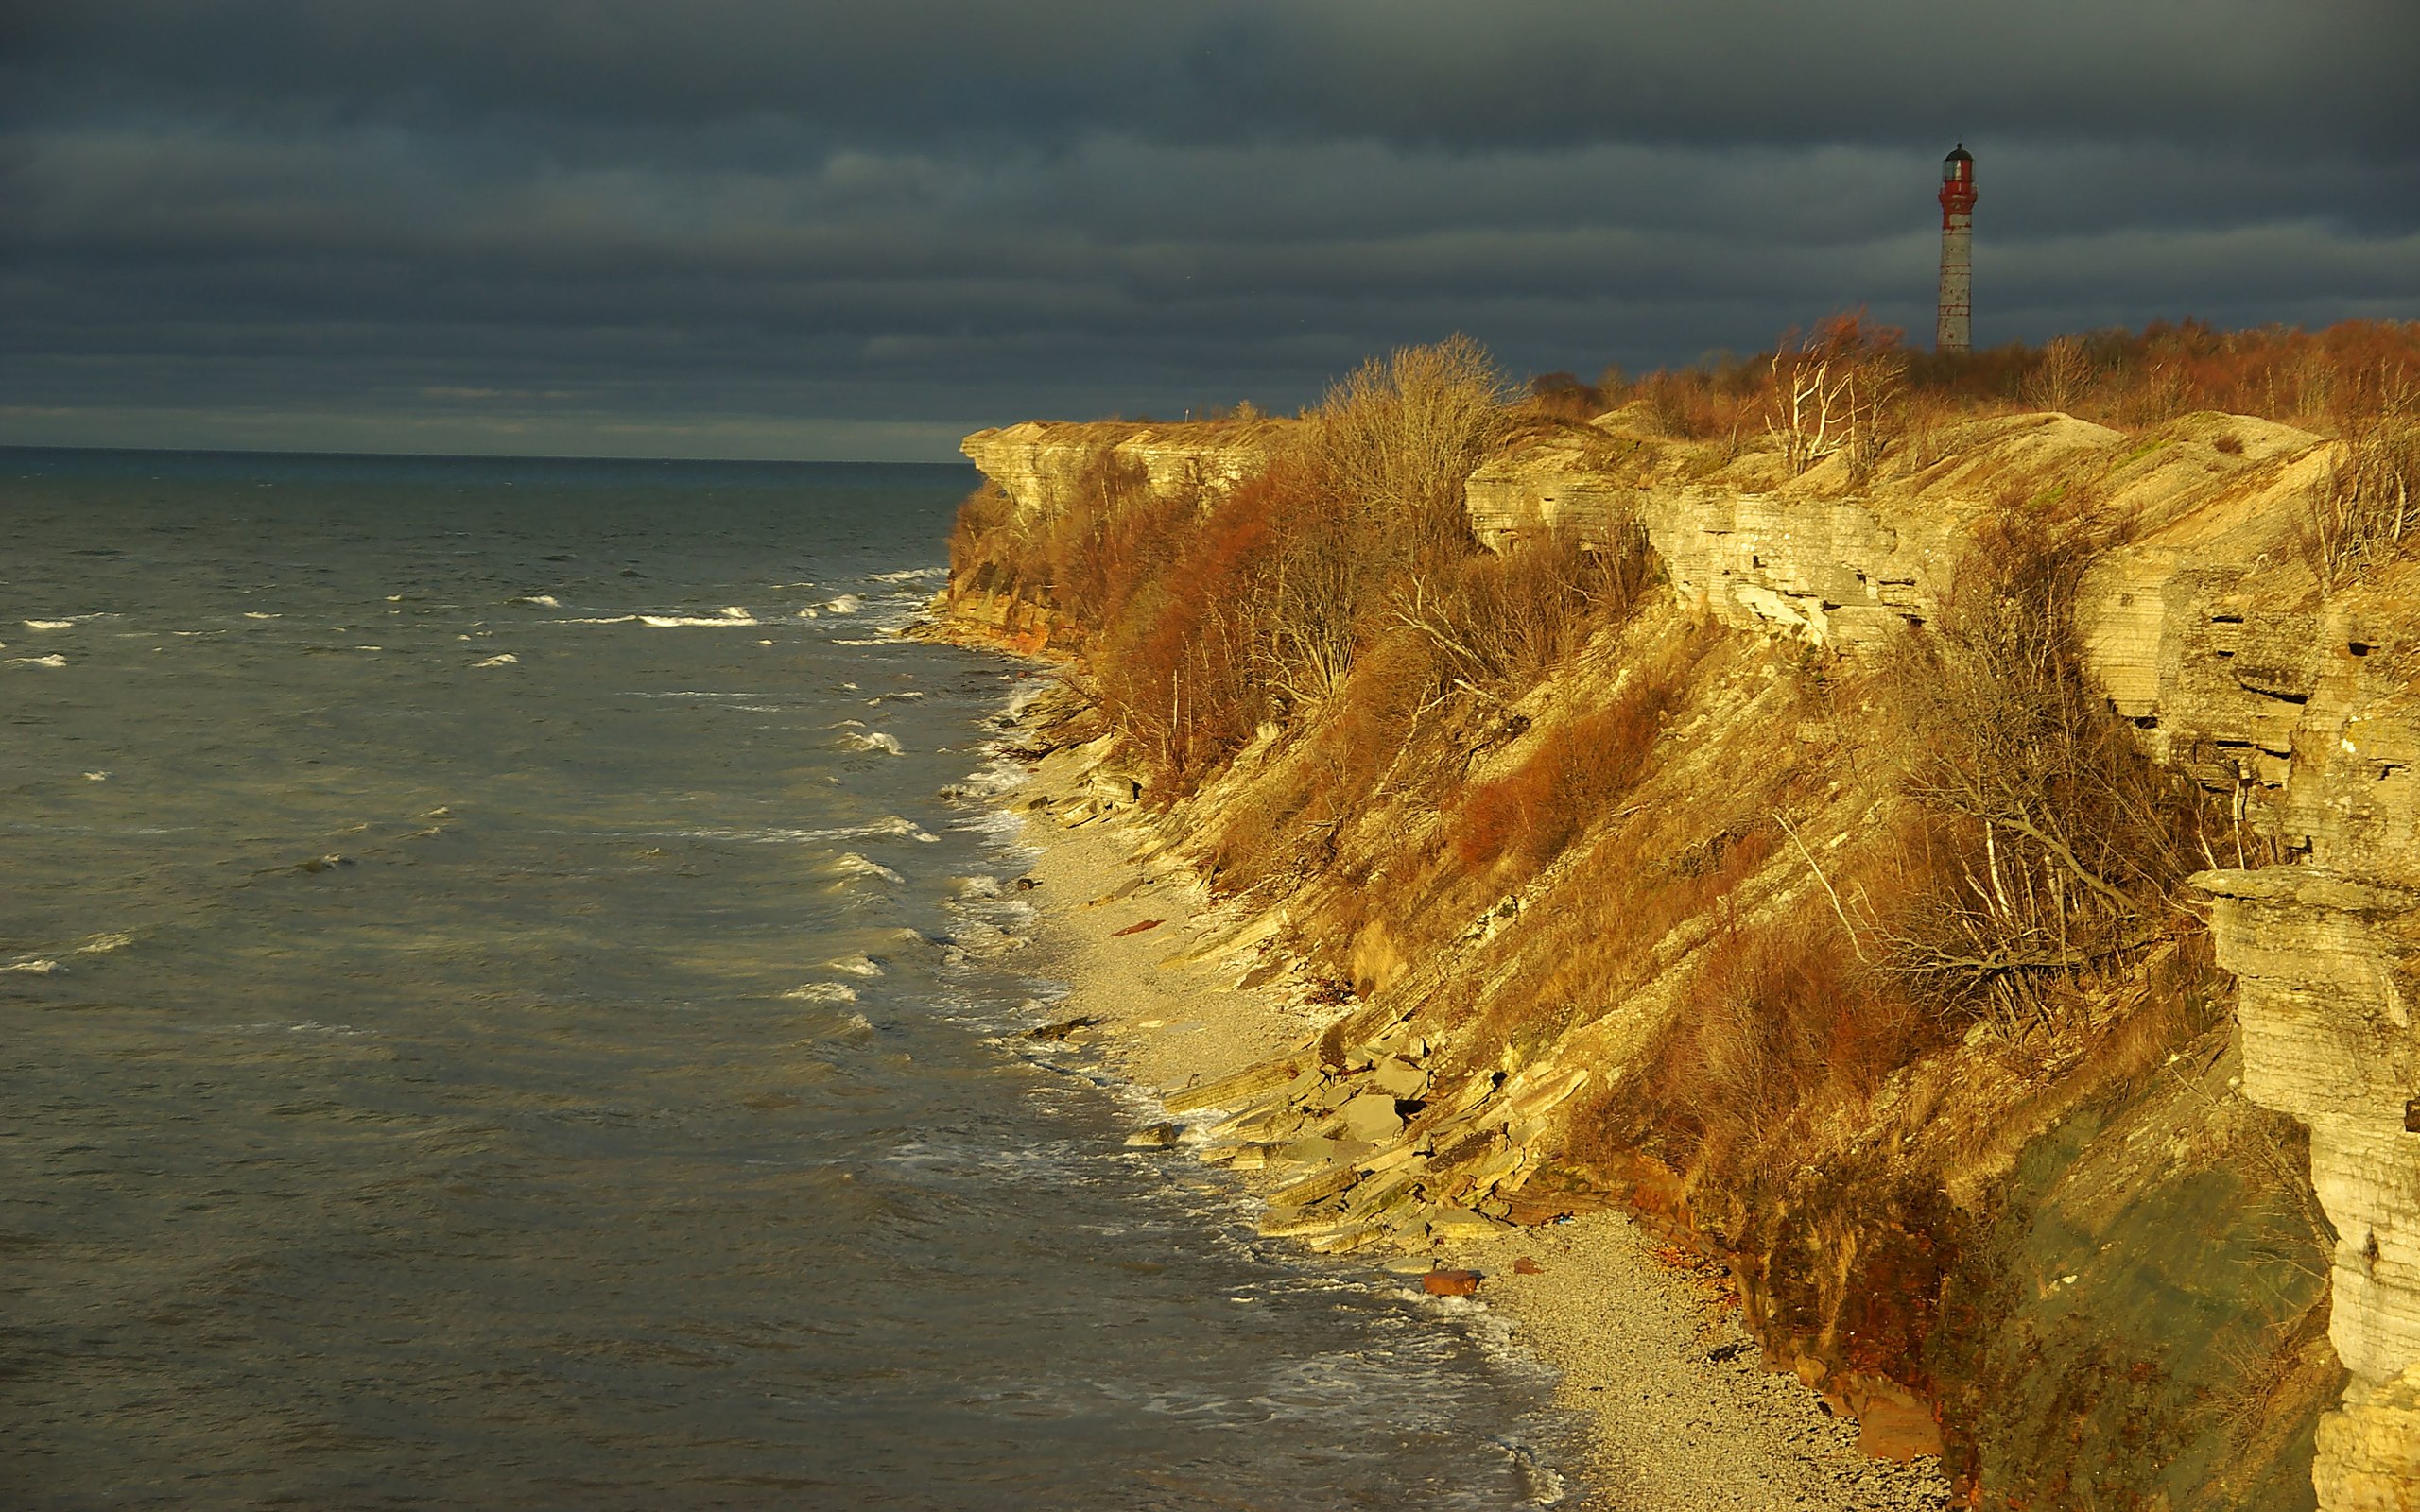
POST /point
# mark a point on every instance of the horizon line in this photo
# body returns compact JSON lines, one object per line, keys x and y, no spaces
{"x":474,"y":456}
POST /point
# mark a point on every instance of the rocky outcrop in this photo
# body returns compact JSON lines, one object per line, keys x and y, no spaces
{"x":2327,"y":966}
{"x":2209,"y":631}
{"x":1039,"y":463}
{"x":1840,"y":562}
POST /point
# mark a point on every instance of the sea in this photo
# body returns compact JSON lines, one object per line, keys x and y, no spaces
{"x":513,"y":996}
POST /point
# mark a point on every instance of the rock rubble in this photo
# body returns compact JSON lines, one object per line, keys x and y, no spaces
{"x":1366,"y":1151}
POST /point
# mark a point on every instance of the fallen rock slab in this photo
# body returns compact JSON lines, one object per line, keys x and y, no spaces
{"x":1457,"y":1226}
{"x":1371,"y":1117}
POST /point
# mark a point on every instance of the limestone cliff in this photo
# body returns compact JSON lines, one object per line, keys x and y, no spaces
{"x":1038,"y":464}
{"x":2019,"y":1246}
{"x":2210,"y":632}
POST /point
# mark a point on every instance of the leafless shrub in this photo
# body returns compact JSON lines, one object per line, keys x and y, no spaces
{"x":1397,"y":437}
{"x":1500,"y":621}
{"x":1378,"y":496}
{"x":2066,"y":842}
{"x":1837,"y":390}
{"x":2061,"y":377}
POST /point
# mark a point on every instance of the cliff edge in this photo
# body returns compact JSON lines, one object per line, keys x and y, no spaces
{"x":1967,"y":894}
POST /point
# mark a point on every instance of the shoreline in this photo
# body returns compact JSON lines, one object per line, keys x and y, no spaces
{"x":1675,"y":1410}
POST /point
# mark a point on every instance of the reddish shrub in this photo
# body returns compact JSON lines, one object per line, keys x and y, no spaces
{"x":1522,"y":820}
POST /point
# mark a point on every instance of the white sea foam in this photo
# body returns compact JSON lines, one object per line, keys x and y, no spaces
{"x":846,"y":604}
{"x":864,"y":642}
{"x":809,"y":613}
{"x":732,"y":616}
{"x":37,"y":967}
{"x":255,"y":614}
{"x":1001,"y":774}
{"x":546,"y":600}
{"x":850,"y":864}
{"x":900,"y":825}
{"x":54,"y":659}
{"x":97,"y":777}
{"x":598,"y":619}
{"x":857,"y":965}
{"x":48,"y":624}
{"x":507,"y":658}
{"x":822,"y":992}
{"x":871,"y":740}
{"x":892,"y":826}
{"x":908,"y":574}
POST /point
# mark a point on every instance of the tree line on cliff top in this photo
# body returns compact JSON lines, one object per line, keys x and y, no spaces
{"x":2329,"y":381}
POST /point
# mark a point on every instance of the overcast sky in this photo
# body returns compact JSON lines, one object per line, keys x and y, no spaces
{"x":787,"y":228}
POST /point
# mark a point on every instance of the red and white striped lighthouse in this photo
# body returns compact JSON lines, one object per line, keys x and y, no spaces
{"x":1955,"y":331}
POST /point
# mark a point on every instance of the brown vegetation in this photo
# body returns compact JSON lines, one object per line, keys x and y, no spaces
{"x":2366,"y":513}
{"x":1844,"y":943}
{"x":2332,"y":380}
{"x":2059,"y":846}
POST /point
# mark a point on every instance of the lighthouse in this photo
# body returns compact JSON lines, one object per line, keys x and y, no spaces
{"x":1955,"y":331}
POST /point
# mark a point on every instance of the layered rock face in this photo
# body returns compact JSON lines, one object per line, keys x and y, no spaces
{"x":2208,"y":631}
{"x":1039,"y":463}
{"x":2327,"y":965}
{"x":1813,"y":557}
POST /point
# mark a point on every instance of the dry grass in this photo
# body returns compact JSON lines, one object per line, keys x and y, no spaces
{"x":2367,"y":511}
{"x":2328,"y":380}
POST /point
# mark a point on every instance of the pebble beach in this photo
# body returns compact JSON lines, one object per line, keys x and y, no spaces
{"x":1678,"y":1412}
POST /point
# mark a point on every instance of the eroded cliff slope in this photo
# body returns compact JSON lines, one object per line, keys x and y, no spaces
{"x":1804,"y":863}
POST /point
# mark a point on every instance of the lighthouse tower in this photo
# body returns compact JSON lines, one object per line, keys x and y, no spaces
{"x":1955,"y":331}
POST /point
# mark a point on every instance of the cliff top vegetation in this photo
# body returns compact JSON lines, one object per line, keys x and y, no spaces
{"x":1837,"y":939}
{"x":2328,"y":381}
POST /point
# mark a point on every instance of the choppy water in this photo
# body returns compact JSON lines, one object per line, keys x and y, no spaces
{"x":499,"y":1013}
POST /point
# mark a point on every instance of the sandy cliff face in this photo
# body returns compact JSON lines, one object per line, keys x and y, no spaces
{"x":2104,"y":1237}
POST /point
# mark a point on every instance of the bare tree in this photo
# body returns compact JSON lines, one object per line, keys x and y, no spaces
{"x":1397,"y":438}
{"x":2062,"y":378}
{"x":1808,"y":411}
{"x":2067,"y":843}
{"x":1835,"y":390}
{"x":1394,"y":442}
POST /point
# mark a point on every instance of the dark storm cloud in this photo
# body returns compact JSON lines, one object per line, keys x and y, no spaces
{"x":794,"y":228}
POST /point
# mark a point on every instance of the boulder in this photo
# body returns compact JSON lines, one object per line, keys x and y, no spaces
{"x":1372,"y":1117}
{"x":1399,"y":1078}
